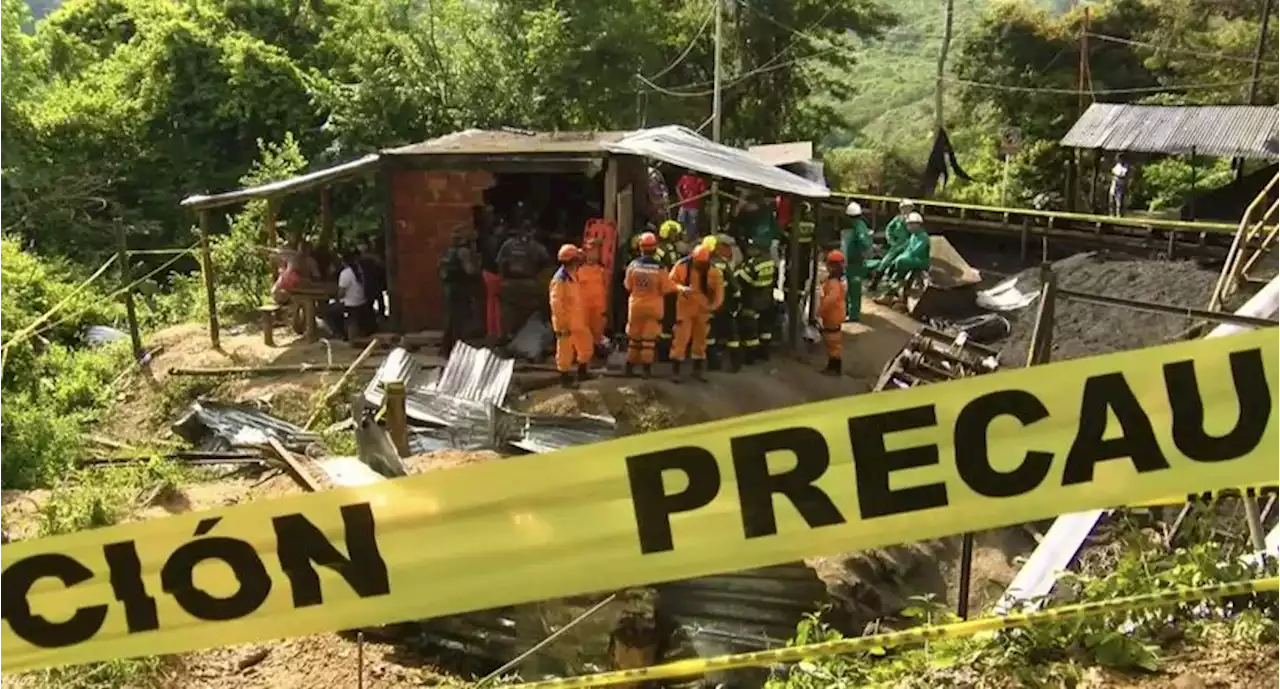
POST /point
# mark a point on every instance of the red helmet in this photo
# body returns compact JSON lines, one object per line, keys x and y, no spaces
{"x":567,"y":253}
{"x":648,"y":240}
{"x":835,"y":257}
{"x":701,"y":254}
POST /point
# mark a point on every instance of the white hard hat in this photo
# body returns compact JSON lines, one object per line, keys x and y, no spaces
{"x":914,"y":219}
{"x":906,"y":202}
{"x":853,"y":209}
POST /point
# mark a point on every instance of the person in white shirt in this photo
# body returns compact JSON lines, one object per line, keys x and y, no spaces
{"x":1119,"y":185}
{"x":351,"y":314}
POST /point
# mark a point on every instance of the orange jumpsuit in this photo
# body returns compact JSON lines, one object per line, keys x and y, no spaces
{"x":593,"y":282}
{"x":694,"y":309}
{"x":831,"y":315}
{"x":568,"y":320}
{"x":647,"y":282}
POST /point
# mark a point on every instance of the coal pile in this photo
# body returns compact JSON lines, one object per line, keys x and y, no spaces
{"x":1082,"y":330}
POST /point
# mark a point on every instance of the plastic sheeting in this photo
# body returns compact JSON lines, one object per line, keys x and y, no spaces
{"x":682,"y":147}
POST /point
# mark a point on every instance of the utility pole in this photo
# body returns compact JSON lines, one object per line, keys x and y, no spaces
{"x":942,"y":66}
{"x":1252,"y":92}
{"x":715,"y":114}
{"x":1073,"y":185}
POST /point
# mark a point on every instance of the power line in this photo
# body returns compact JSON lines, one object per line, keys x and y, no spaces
{"x":689,"y":48}
{"x":735,"y":81}
{"x":1104,"y":92}
{"x":1178,"y":51}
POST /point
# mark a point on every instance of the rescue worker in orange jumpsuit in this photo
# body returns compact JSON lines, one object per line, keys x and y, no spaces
{"x":694,"y":308}
{"x":568,"y":318}
{"x":831,"y":314}
{"x":647,"y":282}
{"x":592,"y":281}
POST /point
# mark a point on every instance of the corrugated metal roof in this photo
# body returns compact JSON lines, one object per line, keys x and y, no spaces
{"x":472,"y":383}
{"x":682,"y":147}
{"x":510,"y":141}
{"x":292,"y":185}
{"x":547,"y":433}
{"x":1243,"y":131}
{"x":217,"y":426}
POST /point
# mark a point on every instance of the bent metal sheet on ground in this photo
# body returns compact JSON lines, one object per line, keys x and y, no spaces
{"x":745,"y":492}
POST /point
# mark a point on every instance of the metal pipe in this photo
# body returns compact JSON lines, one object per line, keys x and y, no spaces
{"x":542,"y":644}
{"x":966,"y":573}
{"x":1153,"y":307}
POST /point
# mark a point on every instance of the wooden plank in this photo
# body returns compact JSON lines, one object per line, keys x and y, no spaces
{"x":295,"y":467}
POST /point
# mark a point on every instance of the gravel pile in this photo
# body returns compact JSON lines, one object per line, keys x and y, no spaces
{"x":1088,"y":330}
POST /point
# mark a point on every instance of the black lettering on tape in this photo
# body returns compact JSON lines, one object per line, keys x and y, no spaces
{"x":299,"y":543}
{"x":126,"y":584}
{"x":653,"y":506}
{"x":1253,"y":397}
{"x":1137,"y":440}
{"x":253,"y":584}
{"x":873,"y":462}
{"x":16,"y":583}
{"x":973,"y":456}
{"x":756,"y":485}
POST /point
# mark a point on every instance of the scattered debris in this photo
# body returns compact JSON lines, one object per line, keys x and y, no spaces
{"x":932,"y":356}
{"x":471,"y":383}
{"x":376,"y":449}
{"x":217,"y":426}
{"x":98,"y":335}
{"x":265,"y":370}
{"x":540,"y":433}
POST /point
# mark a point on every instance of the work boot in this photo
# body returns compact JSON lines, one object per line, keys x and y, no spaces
{"x":629,"y":371}
{"x":697,"y":371}
{"x":835,"y":367}
{"x":583,"y":375}
{"x":567,"y":382}
{"x":748,"y":356}
{"x":647,"y":373}
{"x":714,"y":360}
{"x":762,"y":354}
{"x":675,"y":371}
{"x":735,"y":360}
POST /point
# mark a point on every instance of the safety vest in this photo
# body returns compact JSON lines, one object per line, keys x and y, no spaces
{"x":805,"y":231}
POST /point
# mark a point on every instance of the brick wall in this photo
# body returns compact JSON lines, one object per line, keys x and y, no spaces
{"x":427,"y":205}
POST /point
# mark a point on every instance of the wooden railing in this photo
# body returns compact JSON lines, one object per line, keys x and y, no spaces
{"x":1253,"y":239}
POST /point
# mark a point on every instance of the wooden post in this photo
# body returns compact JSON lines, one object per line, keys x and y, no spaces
{"x":793,"y":276}
{"x":206,"y":261}
{"x":397,"y":418}
{"x":326,"y":216}
{"x":122,"y":257}
{"x":309,"y":319}
{"x":1042,"y":335}
{"x":269,"y":224}
{"x":267,"y":314}
{"x":611,"y":190}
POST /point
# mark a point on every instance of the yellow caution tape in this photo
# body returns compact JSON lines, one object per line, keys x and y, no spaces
{"x":699,"y":666}
{"x":751,"y":491}
{"x":1256,"y":492}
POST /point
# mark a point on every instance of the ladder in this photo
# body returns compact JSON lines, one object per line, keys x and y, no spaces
{"x":1253,"y":240}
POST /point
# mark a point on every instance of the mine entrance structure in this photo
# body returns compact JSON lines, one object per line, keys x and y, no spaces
{"x":431,"y":188}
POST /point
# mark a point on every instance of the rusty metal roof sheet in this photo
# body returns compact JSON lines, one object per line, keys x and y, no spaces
{"x":1243,"y":131}
{"x":472,"y":383}
{"x":510,"y":141}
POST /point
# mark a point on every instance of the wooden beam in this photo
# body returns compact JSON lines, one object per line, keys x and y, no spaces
{"x":295,"y":467}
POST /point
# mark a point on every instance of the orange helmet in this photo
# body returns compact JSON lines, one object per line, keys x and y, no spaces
{"x":835,"y":257}
{"x":701,"y":254}
{"x":567,"y":253}
{"x":648,"y":241}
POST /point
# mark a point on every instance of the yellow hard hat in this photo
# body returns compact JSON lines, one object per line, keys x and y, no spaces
{"x":670,"y":229}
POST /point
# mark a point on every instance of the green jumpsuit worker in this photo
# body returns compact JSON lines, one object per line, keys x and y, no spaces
{"x":914,"y":257}
{"x":855,"y":242}
{"x":896,"y":233}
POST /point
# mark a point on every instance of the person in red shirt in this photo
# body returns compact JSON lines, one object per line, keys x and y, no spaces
{"x":690,"y":188}
{"x":782,"y":207}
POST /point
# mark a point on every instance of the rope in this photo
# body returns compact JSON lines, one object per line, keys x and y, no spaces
{"x":23,"y":334}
